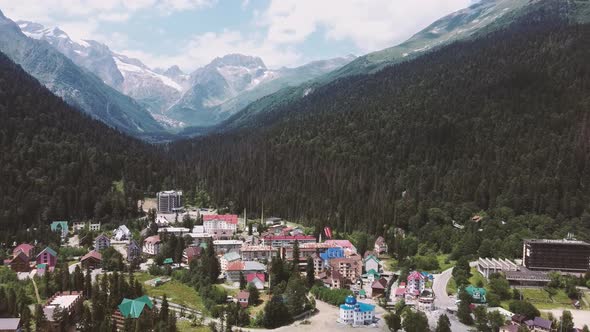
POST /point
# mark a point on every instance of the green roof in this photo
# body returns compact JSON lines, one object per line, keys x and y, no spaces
{"x":362,"y":292}
{"x":373,"y":257}
{"x":168,"y":261}
{"x":41,"y":266}
{"x":203,"y":245}
{"x":134,"y":308}
{"x":373,"y":272}
{"x":62,"y":224}
{"x":478,"y":294}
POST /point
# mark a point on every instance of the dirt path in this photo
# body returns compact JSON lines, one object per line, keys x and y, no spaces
{"x":36,"y":291}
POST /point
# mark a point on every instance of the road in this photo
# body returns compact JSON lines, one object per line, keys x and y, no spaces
{"x":439,"y":287}
{"x":581,"y":317}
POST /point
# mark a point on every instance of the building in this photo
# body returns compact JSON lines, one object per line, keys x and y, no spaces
{"x":509,"y":328}
{"x":152,"y":245}
{"x":94,"y":227}
{"x":538,"y":324}
{"x":228,"y":258}
{"x":243,"y":297}
{"x":169,"y":201}
{"x":371,"y":275}
{"x":331,"y":253}
{"x":257,"y":279}
{"x":10,"y":325}
{"x":131,"y":309}
{"x":20,"y":262}
{"x":91,"y":260}
{"x":221,"y":226}
{"x":561,"y":255}
{"x":122,"y":233}
{"x":257,"y":253}
{"x":526,"y":277}
{"x":60,"y":227}
{"x":224,"y":246}
{"x":332,"y":279}
{"x":70,"y":302}
{"x":191,"y":253}
{"x":478,"y":294}
{"x":102,"y":242}
{"x":487,"y":266}
{"x":176,"y":231}
{"x":345,"y":244}
{"x":49,"y":257}
{"x":379,"y":287}
{"x":287,"y":241}
{"x":234,"y":269}
{"x":26,"y":248}
{"x":380,"y":246}
{"x":416,"y":283}
{"x":273,"y":221}
{"x":133,"y":251}
{"x":372,"y":263}
{"x":350,"y":268}
{"x":356,"y":313}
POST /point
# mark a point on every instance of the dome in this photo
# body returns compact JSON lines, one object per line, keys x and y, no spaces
{"x":350,"y":300}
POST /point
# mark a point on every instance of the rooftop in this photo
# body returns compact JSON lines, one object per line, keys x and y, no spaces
{"x":227,"y":242}
{"x":229,"y":218}
{"x":562,"y":241}
{"x":9,"y":324}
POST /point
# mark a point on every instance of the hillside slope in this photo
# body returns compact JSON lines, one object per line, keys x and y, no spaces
{"x":500,"y":121}
{"x":58,"y":163}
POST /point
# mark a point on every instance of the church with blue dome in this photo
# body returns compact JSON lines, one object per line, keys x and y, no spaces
{"x":356,"y":313}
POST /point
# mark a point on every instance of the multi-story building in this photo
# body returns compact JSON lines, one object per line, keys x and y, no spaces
{"x":416,"y":283}
{"x":48,"y":256}
{"x":561,"y":255}
{"x":102,"y":242}
{"x":487,"y":266}
{"x":152,"y":245}
{"x":351,"y":268}
{"x":258,"y":253}
{"x":133,"y":251}
{"x":176,"y":231}
{"x":287,"y":241}
{"x":70,"y":302}
{"x":224,"y":246}
{"x":356,"y":313}
{"x":220,"y":225}
{"x":234,"y":269}
{"x":169,"y":201}
{"x":380,"y":246}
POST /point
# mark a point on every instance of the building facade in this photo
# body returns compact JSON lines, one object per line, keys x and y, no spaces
{"x":561,"y":255}
{"x":169,"y":201}
{"x":356,"y":313}
{"x":152,"y":245}
{"x":101,"y":242}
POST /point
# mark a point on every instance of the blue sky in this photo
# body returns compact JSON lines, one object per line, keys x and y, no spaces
{"x":190,"y":33}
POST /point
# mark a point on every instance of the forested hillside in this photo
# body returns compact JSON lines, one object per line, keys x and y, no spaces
{"x":498,"y":124}
{"x":56,"y":163}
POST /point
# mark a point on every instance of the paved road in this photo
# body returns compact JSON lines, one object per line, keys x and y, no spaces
{"x":439,"y":287}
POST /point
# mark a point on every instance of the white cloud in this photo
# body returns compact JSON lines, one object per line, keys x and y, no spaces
{"x":370,"y":24}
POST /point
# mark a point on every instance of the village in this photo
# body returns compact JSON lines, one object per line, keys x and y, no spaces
{"x":259,"y":265}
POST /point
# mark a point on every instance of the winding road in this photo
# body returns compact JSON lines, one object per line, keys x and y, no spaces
{"x":439,"y":287}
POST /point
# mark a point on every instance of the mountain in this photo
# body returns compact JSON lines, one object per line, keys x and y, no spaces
{"x":497,"y":123}
{"x":227,"y":84}
{"x":477,"y":20}
{"x":59,"y":163}
{"x":74,"y":84}
{"x":154,"y":91}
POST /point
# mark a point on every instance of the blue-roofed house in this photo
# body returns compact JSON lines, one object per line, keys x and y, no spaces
{"x":60,"y":227}
{"x":356,"y":313}
{"x":331,"y":253}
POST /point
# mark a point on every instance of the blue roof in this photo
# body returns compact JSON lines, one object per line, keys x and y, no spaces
{"x":362,"y":307}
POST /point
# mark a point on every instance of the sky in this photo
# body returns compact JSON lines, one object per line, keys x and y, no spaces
{"x":191,"y":33}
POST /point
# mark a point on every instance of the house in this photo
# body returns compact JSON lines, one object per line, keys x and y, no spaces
{"x":20,"y":262}
{"x":349,"y":267}
{"x":379,"y":287}
{"x":26,"y":248}
{"x":91,"y":260}
{"x":478,"y":294}
{"x":228,"y":258}
{"x":122,"y":233}
{"x":538,"y":324}
{"x":416,"y":283}
{"x":257,"y":279}
{"x":233,"y":269}
{"x":518,"y":319}
{"x":371,"y":263}
{"x":94,"y":227}
{"x":243,"y":297}
{"x":400,"y":292}
{"x":152,"y":245}
{"x":41,"y":269}
{"x":10,"y":325}
{"x":380,"y":246}
{"x":102,"y":242}
{"x":191,"y":253}
{"x":47,"y":256}
{"x":131,"y":309}
{"x":372,"y":275}
{"x":356,"y":313}
{"x":133,"y":251}
{"x":60,"y":227}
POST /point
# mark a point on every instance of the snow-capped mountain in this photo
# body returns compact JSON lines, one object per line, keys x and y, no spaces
{"x":74,"y":84}
{"x":130,"y":76}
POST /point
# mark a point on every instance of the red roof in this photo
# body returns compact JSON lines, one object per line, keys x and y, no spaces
{"x":289,"y":238}
{"x":235,"y":266}
{"x":24,"y":247}
{"x":93,"y":254}
{"x":379,"y":284}
{"x":416,"y":275}
{"x":341,"y":243}
{"x":229,"y":218}
{"x":243,"y":295}
{"x":193,"y":251}
{"x":250,"y":277}
{"x":400,"y":291}
{"x":402,"y":284}
{"x":152,"y":239}
{"x":21,"y":256}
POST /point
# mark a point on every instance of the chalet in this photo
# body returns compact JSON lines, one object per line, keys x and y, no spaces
{"x":152,"y":245}
{"x":371,"y":263}
{"x":91,"y":260}
{"x":379,"y":287}
{"x":191,"y":253}
{"x":48,"y":256}
{"x":372,"y":275}
{"x":133,"y":251}
{"x":380,"y":246}
{"x":60,"y":227}
{"x":478,"y":294}
{"x":131,"y":309}
{"x":257,"y":279}
{"x":122,"y":233}
{"x":101,"y":242}
{"x":26,"y":248}
{"x":20,"y":262}
{"x":10,"y":325}
{"x":233,"y":269}
{"x":243,"y":297}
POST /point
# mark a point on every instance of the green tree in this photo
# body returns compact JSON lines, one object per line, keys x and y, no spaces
{"x":309,"y":272}
{"x":296,"y":295}
{"x":496,"y":320}
{"x":243,"y":282}
{"x":443,"y":324}
{"x":481,"y":319}
{"x":40,"y":318}
{"x":254,"y":296}
{"x":524,"y":308}
{"x":275,"y":313}
{"x":463,"y":311}
{"x":296,"y":256}
{"x":415,"y":321}
{"x":566,"y":322}
{"x":393,"y":321}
